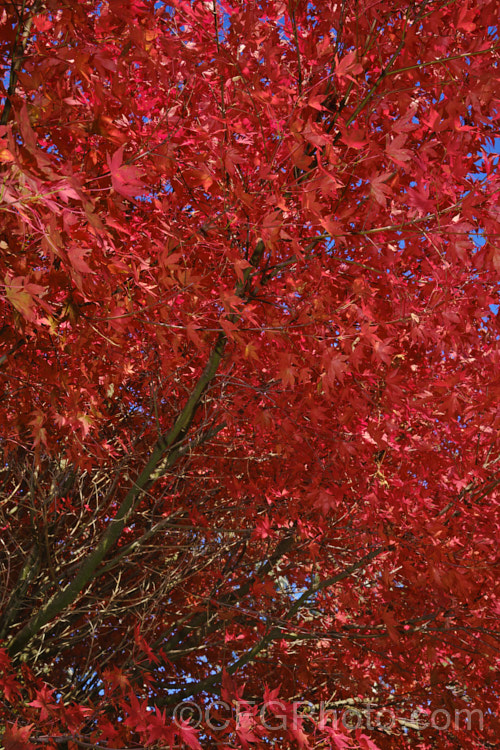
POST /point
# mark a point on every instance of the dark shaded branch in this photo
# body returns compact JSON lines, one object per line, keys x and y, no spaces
{"x":21,"y":41}
{"x":273,"y":633}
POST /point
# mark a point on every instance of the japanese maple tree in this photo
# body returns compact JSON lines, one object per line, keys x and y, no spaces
{"x":250,"y":359}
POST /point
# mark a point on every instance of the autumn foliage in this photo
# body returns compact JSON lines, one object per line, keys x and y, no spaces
{"x":249,"y":356}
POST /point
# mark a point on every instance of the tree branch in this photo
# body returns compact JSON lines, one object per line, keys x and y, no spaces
{"x":276,"y":632}
{"x":167,"y":451}
{"x":22,"y":36}
{"x":162,"y":458}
